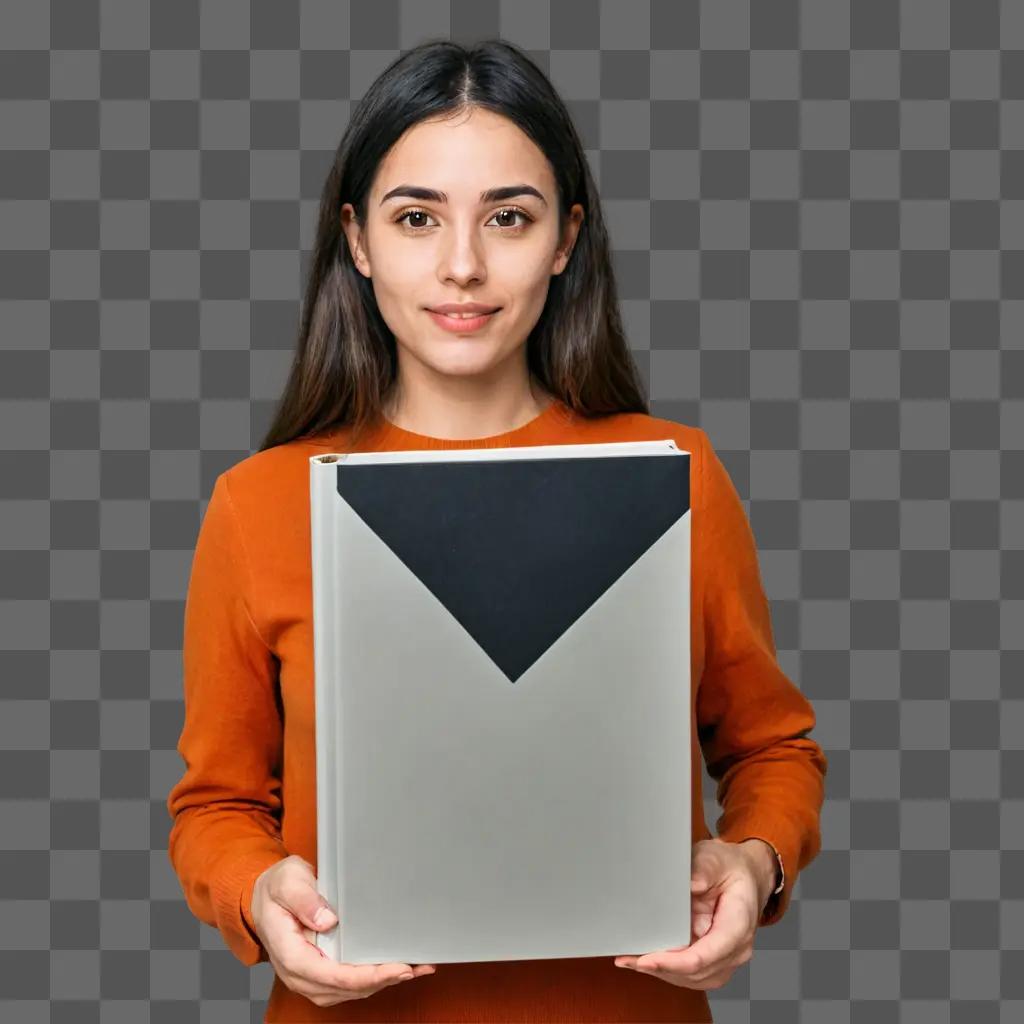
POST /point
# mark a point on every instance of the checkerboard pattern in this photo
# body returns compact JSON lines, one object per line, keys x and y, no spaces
{"x":817,"y":210}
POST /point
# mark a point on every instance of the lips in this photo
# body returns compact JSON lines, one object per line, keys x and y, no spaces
{"x":462,"y":324}
{"x":464,"y":309}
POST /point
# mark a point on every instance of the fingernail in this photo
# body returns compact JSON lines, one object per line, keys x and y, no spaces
{"x":405,"y":977}
{"x":323,"y":916}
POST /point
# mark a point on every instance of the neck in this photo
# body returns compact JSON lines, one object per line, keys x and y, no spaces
{"x":442,"y":415}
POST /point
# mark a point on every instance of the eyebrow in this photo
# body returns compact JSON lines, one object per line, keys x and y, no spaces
{"x":491,"y":195}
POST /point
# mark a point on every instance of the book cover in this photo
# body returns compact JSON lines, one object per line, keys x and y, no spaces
{"x":503,"y":713}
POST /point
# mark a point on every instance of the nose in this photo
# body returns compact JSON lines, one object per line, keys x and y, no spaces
{"x":461,"y":257}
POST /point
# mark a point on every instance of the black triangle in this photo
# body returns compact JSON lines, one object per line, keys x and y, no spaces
{"x":518,"y":549}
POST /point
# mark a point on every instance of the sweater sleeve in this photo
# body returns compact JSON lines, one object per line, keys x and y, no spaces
{"x":752,"y":720}
{"x":226,"y":807}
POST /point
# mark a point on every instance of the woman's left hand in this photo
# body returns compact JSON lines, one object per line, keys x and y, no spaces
{"x":729,"y":888}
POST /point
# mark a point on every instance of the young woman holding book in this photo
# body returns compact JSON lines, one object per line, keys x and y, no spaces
{"x":461,"y":295}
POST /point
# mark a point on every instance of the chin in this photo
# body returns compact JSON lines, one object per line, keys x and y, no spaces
{"x":462,"y":355}
{"x":463,"y":367}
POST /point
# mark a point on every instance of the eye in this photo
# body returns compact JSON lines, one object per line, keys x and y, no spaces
{"x":504,"y":212}
{"x":412,"y":213}
{"x":515,"y":211}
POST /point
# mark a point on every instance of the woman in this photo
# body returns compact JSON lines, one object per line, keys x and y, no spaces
{"x":461,"y":182}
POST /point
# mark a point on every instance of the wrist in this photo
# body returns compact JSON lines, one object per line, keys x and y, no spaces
{"x":766,"y":866}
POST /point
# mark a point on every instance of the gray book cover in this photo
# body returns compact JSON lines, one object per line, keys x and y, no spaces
{"x":502,"y":662}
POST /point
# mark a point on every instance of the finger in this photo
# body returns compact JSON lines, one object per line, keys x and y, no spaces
{"x":297,"y":893}
{"x":729,"y":927}
{"x":701,"y":908}
{"x":728,"y":931}
{"x":701,"y":881}
{"x":701,"y":920}
{"x":703,"y":897}
{"x":709,"y":861}
{"x":630,"y":959}
{"x":306,"y":963}
{"x":327,"y":975}
{"x":705,"y":979}
{"x":699,"y":925}
{"x":370,"y":976}
{"x":419,"y":970}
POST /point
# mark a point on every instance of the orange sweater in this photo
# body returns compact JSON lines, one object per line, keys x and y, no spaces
{"x":248,"y":794}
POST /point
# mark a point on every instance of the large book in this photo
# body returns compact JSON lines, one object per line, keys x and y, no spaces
{"x":502,"y":701}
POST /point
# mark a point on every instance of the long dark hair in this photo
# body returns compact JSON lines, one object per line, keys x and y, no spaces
{"x":345,"y":361}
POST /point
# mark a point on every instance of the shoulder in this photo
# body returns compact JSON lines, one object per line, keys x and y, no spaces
{"x":638,"y":426}
{"x":269,"y":489}
{"x":270,"y":466}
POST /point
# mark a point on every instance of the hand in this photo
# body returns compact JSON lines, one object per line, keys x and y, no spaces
{"x":730,"y":886}
{"x":284,"y":900}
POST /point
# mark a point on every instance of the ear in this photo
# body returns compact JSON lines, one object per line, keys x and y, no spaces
{"x":353,"y":231}
{"x":572,"y":229}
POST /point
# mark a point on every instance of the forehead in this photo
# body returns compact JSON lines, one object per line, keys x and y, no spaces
{"x":463,"y":156}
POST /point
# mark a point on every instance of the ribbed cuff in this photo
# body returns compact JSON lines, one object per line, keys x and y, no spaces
{"x":232,"y":890}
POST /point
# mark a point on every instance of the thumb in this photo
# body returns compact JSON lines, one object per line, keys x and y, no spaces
{"x":314,"y":911}
{"x":320,"y":914}
{"x":306,"y":903}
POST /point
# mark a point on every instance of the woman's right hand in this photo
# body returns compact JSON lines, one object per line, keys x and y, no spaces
{"x":284,"y":900}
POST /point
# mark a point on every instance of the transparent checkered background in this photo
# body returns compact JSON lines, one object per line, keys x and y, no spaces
{"x":818,"y":218}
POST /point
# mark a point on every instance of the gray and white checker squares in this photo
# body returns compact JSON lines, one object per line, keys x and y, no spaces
{"x":817,"y":210}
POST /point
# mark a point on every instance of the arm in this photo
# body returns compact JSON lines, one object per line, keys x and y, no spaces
{"x":226,"y":807}
{"x":752,"y":720}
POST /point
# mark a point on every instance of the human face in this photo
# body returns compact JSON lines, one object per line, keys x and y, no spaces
{"x":458,"y":245}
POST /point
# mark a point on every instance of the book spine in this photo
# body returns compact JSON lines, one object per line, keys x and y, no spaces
{"x":323,"y":523}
